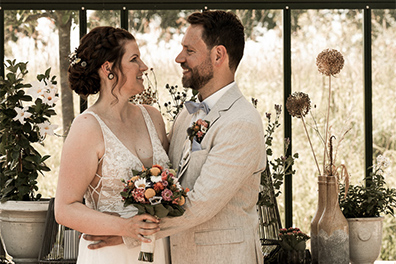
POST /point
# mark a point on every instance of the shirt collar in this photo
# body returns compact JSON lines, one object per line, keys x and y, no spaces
{"x":213,"y":98}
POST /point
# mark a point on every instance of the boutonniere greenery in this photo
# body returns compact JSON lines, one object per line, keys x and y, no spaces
{"x":198,"y":130}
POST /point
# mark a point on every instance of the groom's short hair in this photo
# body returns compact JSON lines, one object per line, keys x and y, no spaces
{"x":222,"y":28}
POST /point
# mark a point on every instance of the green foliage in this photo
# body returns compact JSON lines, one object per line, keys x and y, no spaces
{"x":370,"y":200}
{"x":20,"y":162}
{"x":277,"y":169}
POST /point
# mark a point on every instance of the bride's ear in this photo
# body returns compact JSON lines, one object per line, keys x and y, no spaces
{"x":106,"y":68}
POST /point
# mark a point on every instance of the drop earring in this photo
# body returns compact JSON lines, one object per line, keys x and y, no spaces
{"x":110,"y":76}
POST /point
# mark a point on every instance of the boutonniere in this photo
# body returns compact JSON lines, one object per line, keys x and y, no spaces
{"x":198,"y":130}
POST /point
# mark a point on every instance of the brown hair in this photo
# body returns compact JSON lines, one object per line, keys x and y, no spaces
{"x":101,"y":44}
{"x":222,"y":28}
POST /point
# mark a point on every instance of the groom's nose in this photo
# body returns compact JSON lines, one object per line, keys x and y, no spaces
{"x":180,"y":58}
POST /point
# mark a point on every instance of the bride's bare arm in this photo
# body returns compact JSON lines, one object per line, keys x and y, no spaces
{"x":81,"y":151}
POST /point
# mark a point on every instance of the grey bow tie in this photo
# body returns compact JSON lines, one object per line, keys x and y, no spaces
{"x":193,"y":107}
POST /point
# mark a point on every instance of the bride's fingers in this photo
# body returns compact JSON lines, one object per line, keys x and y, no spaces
{"x":146,"y":232}
{"x":148,"y":225}
{"x":143,"y":239}
{"x":147,"y":218}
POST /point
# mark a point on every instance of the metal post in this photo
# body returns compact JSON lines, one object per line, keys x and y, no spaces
{"x":287,"y":118}
{"x":83,"y":32}
{"x":368,"y":106}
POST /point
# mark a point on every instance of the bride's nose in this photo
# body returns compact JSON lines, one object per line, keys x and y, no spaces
{"x":143,"y":67}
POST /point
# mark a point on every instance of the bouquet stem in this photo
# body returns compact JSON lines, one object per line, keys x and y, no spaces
{"x":147,"y":250}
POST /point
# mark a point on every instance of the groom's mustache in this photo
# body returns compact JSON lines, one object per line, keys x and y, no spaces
{"x":183,"y":65}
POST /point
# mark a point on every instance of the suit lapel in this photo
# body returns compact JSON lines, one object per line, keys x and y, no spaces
{"x":224,"y":104}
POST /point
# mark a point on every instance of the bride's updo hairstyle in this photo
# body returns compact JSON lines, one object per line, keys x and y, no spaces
{"x":101,"y":44}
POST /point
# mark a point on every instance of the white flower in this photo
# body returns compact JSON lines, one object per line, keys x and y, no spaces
{"x":37,"y":90}
{"x":140,"y":183}
{"x":179,"y":187}
{"x":22,"y":114}
{"x":50,"y":97}
{"x":382,"y":161}
{"x":155,"y":179}
{"x":204,"y":129}
{"x":46,"y":129}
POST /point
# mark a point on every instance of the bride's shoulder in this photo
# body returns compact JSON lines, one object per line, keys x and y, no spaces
{"x":85,"y":127}
{"x":154,"y":113}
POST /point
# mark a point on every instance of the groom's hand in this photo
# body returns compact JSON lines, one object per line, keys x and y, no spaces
{"x":103,"y":241}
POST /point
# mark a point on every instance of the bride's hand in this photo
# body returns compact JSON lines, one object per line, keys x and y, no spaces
{"x":140,"y":226}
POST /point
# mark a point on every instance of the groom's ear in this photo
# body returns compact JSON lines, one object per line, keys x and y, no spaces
{"x":220,"y":54}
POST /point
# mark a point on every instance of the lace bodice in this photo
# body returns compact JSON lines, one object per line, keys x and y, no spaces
{"x":117,"y":163}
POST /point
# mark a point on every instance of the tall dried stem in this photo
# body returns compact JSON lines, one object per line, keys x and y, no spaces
{"x":310,"y":143}
{"x":327,"y":126}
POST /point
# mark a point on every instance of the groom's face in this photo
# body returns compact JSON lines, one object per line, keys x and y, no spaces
{"x":195,"y":59}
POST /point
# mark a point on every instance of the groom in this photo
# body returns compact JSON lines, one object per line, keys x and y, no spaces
{"x":223,"y":170}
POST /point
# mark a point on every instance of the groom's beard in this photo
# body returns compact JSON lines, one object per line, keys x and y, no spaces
{"x":200,"y":75}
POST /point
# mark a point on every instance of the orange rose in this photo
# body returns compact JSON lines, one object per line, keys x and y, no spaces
{"x":155,"y":171}
{"x":182,"y":200}
{"x":149,"y":193}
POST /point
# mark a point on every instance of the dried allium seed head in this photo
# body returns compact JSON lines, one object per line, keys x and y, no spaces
{"x":330,"y":62}
{"x":298,"y":104}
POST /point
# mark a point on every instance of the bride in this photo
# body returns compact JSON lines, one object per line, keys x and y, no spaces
{"x":105,"y":143}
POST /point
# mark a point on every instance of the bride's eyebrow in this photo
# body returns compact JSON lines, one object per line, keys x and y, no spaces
{"x":134,"y":55}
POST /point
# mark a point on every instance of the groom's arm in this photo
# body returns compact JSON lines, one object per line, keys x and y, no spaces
{"x":236,"y":155}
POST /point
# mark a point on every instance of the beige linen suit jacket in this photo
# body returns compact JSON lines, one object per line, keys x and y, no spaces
{"x":220,"y":223}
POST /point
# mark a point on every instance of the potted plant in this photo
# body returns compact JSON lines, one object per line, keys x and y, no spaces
{"x":293,"y":244}
{"x":24,"y":122}
{"x":363,"y":206}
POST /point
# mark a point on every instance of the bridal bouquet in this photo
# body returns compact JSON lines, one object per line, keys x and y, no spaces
{"x":157,"y":192}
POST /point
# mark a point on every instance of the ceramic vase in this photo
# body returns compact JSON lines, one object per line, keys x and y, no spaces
{"x":314,"y":223}
{"x":365,"y":239}
{"x":333,"y":231}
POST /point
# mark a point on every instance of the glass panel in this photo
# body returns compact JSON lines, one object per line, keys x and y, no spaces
{"x":96,"y":18}
{"x":159,"y":34}
{"x":42,"y":37}
{"x":384,"y":108}
{"x":312,"y":32}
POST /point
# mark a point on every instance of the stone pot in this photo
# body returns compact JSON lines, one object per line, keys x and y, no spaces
{"x":22,"y":228}
{"x":365,"y":239}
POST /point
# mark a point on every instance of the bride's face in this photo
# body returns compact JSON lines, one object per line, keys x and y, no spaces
{"x":133,"y":68}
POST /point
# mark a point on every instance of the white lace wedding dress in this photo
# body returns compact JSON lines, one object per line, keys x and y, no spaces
{"x":117,"y":163}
